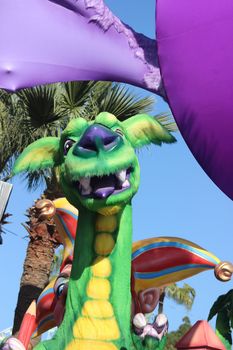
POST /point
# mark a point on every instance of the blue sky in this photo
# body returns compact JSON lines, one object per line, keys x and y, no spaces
{"x":176,"y":198}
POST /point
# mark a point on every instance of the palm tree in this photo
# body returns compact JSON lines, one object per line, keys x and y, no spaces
{"x":174,"y":336}
{"x":45,"y":111}
{"x":223,"y":309}
{"x":3,"y":222}
{"x":181,"y":295}
{"x":5,"y":125}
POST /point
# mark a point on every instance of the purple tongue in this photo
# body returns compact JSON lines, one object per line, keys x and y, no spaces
{"x":103,"y":192}
{"x":103,"y":187}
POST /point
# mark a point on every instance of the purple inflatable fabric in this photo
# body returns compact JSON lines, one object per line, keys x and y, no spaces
{"x":195,"y":48}
{"x":44,"y":41}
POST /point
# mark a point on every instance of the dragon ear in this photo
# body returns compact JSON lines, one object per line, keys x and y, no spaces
{"x":142,"y":130}
{"x":41,"y":154}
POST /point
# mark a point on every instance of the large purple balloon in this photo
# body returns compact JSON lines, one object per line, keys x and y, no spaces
{"x":44,"y":41}
{"x":195,"y":48}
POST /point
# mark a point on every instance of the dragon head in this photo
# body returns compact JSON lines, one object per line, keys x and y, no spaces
{"x":96,"y":159}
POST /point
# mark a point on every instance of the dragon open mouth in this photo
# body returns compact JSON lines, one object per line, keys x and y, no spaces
{"x":101,"y":187}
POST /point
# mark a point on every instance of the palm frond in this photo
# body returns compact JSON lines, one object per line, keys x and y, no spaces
{"x":222,"y":302}
{"x":75,"y":96}
{"x":118,"y":100}
{"x":4,"y":222}
{"x":8,"y":137}
{"x":6,"y":99}
{"x":38,"y":105}
{"x":37,"y":178}
{"x":181,"y":295}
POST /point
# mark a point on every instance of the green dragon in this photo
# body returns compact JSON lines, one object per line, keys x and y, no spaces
{"x":99,"y":173}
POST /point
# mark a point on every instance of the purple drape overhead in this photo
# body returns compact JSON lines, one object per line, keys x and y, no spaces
{"x":195,"y":49}
{"x":44,"y":41}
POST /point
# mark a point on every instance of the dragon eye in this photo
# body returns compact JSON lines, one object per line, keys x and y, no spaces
{"x":120,"y":132}
{"x":67,"y":145}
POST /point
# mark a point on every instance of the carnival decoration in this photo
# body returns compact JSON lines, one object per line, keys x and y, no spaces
{"x":158,"y":253}
{"x":99,"y":173}
{"x":200,"y":336}
{"x":47,"y":312}
{"x":162,"y":261}
{"x":66,"y":218}
{"x":155,"y":263}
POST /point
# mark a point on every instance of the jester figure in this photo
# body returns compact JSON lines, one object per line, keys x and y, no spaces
{"x":99,"y":173}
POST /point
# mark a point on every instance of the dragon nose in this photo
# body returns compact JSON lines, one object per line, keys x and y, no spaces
{"x":96,"y":138}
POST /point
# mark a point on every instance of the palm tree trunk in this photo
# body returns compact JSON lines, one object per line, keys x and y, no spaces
{"x":37,"y":265}
{"x":161,"y":300}
{"x":35,"y":275}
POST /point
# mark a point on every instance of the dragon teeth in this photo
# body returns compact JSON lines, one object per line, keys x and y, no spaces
{"x":85,"y":185}
{"x":85,"y":192}
{"x":121,"y":175}
{"x":85,"y":182}
{"x":125,"y":184}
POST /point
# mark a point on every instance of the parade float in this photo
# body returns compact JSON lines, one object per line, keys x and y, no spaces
{"x":96,"y":160}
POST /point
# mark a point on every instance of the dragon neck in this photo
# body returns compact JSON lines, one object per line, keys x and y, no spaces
{"x":99,"y":297}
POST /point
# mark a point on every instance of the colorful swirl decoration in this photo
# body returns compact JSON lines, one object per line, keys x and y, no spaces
{"x":66,"y":220}
{"x":158,"y":262}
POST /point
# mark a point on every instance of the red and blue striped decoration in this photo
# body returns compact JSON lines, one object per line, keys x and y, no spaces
{"x":161,"y":261}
